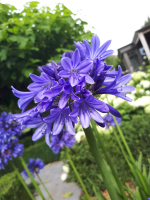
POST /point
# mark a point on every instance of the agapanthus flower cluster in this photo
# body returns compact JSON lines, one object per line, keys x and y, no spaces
{"x":10,"y":131}
{"x":109,"y":121}
{"x":34,"y":166}
{"x":69,"y":91}
{"x":60,"y":140}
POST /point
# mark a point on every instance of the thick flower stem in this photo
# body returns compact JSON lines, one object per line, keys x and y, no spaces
{"x":31,"y":177}
{"x":23,"y":182}
{"x":100,"y":162}
{"x":44,"y":186}
{"x":78,"y":176}
{"x":108,"y":159}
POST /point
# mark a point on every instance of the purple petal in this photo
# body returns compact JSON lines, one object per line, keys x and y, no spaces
{"x":64,"y":73}
{"x":35,"y":87}
{"x":104,"y":47}
{"x":36,"y":78}
{"x":95,"y":44}
{"x":58,"y":125}
{"x":123,"y":97}
{"x":95,"y":103}
{"x":123,"y":80}
{"x":38,"y":133}
{"x":113,"y":111}
{"x":63,"y":100}
{"x":22,"y":103}
{"x":76,"y":58}
{"x":89,"y":79}
{"x":48,"y":71}
{"x":119,"y":73}
{"x":84,"y":118}
{"x":106,"y":54}
{"x":74,"y":113}
{"x":53,"y":115}
{"x":96,"y":116}
{"x":47,"y":140}
{"x":66,"y":63}
{"x":126,"y":89}
{"x":69,"y":127}
{"x":88,"y":48}
{"x":73,"y":80}
{"x":20,"y":94}
{"x":54,"y":91}
{"x":84,"y":66}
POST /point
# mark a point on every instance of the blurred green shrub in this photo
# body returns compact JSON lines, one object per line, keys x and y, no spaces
{"x":11,"y":188}
{"x":137,"y":134}
{"x":32,"y":38}
{"x":38,"y":150}
{"x":115,"y":61}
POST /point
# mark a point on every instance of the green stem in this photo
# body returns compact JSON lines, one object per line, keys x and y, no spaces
{"x":31,"y":177}
{"x":44,"y":186}
{"x":109,"y":161}
{"x":124,"y":140}
{"x":22,"y":181}
{"x":78,"y":176}
{"x":100,"y":162}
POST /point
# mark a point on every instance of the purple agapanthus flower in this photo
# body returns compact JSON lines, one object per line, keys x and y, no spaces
{"x":63,"y":139}
{"x":34,"y":166}
{"x":74,"y":69}
{"x":70,"y":91}
{"x":109,"y":121}
{"x":10,"y":131}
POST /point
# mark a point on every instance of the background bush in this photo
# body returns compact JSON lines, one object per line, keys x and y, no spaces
{"x":137,"y":134}
{"x":11,"y":188}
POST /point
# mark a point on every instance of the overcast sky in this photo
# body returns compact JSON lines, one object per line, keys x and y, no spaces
{"x":112,"y":19}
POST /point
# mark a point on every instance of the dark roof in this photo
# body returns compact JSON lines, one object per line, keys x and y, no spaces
{"x":128,"y":46}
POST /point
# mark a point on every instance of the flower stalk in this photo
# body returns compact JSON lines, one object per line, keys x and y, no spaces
{"x":22,"y":181}
{"x":44,"y":186}
{"x":78,"y":176}
{"x":32,"y":179}
{"x":109,"y":161}
{"x":100,"y":162}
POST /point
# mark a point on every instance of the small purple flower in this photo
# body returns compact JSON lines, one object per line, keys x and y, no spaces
{"x":58,"y":141}
{"x":34,"y":166}
{"x":10,"y":130}
{"x":88,"y":108}
{"x":94,"y":51}
{"x":109,"y":121}
{"x":74,"y":69}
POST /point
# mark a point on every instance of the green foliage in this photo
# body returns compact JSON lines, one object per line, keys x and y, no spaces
{"x":115,"y":61}
{"x":32,"y":38}
{"x":137,"y":134}
{"x":39,"y":150}
{"x":11,"y":188}
{"x":147,"y":22}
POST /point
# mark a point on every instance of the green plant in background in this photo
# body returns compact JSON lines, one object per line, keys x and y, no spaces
{"x":31,"y":38}
{"x":11,"y":188}
{"x":137,"y":134}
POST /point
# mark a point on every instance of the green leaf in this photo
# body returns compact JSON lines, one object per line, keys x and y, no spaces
{"x":3,"y":54}
{"x":67,"y":194}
